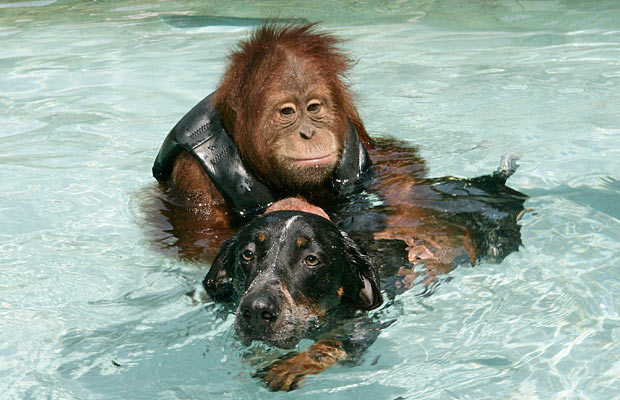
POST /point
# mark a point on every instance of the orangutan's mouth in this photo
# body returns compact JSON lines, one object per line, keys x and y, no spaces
{"x":315,"y":159}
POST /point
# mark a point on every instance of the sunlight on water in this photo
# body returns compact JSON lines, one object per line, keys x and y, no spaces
{"x":88,"y":90}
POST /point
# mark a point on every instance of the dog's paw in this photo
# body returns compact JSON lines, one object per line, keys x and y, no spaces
{"x":286,"y":374}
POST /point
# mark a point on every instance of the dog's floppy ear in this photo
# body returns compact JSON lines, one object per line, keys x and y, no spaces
{"x":218,"y":283}
{"x":368,"y":294}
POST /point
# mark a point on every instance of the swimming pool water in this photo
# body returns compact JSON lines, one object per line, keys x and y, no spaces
{"x":88,"y":90}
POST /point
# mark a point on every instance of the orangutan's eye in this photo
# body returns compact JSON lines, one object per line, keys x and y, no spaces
{"x":287,"y":109}
{"x":247,"y":255}
{"x":314,"y":107}
{"x":311,"y":261}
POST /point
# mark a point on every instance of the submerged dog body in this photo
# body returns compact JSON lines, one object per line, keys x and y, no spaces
{"x":294,"y":274}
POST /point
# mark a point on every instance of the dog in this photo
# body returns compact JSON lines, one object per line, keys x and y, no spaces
{"x":293,"y":274}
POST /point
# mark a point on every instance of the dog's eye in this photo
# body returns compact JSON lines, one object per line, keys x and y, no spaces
{"x":247,"y":255}
{"x":311,"y":261}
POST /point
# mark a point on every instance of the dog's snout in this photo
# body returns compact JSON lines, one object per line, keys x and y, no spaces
{"x":259,"y":310}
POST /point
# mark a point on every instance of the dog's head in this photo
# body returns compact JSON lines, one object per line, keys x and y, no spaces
{"x":289,"y":270}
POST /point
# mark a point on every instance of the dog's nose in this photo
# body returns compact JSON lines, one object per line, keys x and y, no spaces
{"x":259,"y":310}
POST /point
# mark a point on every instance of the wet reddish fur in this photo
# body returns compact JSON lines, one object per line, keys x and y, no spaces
{"x":261,"y":54}
{"x":260,"y":59}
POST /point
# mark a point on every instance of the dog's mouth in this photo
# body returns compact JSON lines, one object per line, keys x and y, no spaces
{"x":282,"y":341}
{"x":284,"y":334}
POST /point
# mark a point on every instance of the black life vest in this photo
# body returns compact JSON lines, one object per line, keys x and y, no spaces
{"x":200,"y":132}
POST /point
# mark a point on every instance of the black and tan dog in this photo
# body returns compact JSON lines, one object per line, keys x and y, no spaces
{"x":291,"y":273}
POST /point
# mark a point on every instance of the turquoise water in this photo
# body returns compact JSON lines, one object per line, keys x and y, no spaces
{"x":88,"y":90}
